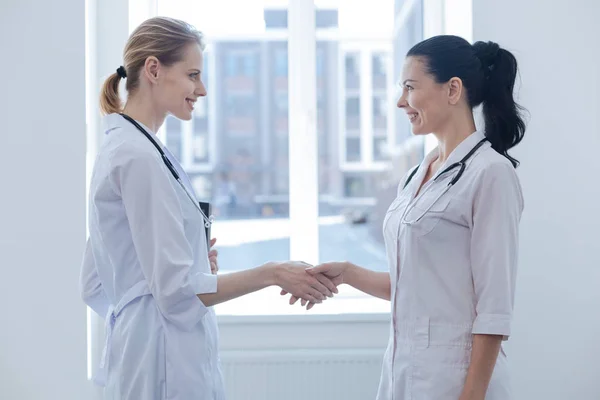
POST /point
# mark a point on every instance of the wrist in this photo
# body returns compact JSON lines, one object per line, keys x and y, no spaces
{"x":269,"y":274}
{"x":349,"y":273}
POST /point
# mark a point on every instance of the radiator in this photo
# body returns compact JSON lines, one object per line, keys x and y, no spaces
{"x":332,"y":374}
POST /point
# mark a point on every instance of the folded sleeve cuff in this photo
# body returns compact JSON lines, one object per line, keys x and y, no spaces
{"x":492,"y":324}
{"x":204,"y":283}
{"x":97,"y":302}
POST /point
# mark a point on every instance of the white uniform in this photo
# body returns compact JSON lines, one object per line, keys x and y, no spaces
{"x":452,"y":275}
{"x":145,"y":261}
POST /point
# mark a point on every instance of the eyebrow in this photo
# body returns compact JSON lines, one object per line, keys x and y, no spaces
{"x":408,"y":80}
{"x":195,"y":70}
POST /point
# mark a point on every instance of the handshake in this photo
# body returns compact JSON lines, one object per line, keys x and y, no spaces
{"x":309,"y":284}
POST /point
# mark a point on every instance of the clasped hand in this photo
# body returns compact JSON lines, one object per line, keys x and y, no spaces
{"x":329,"y":274}
{"x":302,"y":281}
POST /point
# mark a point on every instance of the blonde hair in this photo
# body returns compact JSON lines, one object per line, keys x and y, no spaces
{"x":161,"y":37}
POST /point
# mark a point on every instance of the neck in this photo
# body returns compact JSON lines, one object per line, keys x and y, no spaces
{"x":142,"y":110}
{"x":452,"y":135}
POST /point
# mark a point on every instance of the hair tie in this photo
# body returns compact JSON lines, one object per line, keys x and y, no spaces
{"x":121,"y":72}
{"x":487,"y":53}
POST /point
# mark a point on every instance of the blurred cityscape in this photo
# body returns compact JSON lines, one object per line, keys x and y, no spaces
{"x":235,"y":149}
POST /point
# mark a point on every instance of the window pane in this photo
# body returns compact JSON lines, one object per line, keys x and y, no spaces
{"x":174,"y":134}
{"x":379,"y":70}
{"x":380,"y":150}
{"x":380,"y":119}
{"x":351,"y":71}
{"x":362,"y":186}
{"x":236,"y":143}
{"x":352,"y":149}
{"x":352,"y":113}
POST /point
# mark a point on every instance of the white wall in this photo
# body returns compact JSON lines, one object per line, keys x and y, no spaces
{"x":42,"y":208}
{"x":555,"y":348}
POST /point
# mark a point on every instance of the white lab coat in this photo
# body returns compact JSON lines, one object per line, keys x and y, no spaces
{"x":452,"y":275}
{"x":145,"y":261}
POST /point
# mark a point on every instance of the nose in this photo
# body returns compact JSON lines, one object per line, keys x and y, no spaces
{"x":200,"y":89}
{"x":402,"y":103}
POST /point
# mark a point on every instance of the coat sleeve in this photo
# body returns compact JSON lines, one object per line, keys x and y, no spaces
{"x":90,"y":287}
{"x":156,"y":223}
{"x":497,"y":209}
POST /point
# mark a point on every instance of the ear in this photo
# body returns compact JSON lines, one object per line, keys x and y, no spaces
{"x":152,"y":69}
{"x":455,"y":89}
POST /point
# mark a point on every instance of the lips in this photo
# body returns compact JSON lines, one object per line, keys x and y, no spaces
{"x":412,"y":116}
{"x":190,"y":103}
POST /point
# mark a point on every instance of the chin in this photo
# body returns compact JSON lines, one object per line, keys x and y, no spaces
{"x":419,"y":131}
{"x":184,"y":115}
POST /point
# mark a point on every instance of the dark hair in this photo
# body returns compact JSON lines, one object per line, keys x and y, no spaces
{"x":488,"y":74}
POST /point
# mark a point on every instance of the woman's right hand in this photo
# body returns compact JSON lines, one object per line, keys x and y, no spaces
{"x":292,"y":277}
{"x":332,"y":271}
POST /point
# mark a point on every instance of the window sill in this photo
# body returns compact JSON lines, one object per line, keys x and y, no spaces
{"x":268,"y":306}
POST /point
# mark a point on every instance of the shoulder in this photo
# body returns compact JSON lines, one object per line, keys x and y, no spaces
{"x":130,"y":157}
{"x":494,"y":172}
{"x":490,"y":164}
{"x":125,"y":145}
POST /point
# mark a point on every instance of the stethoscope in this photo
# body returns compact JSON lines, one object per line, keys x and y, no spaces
{"x":208,"y":220}
{"x":461,"y":165}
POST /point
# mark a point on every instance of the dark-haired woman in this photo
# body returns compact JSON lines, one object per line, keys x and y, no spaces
{"x":452,"y":232}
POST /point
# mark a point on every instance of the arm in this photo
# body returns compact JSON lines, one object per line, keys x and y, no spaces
{"x":376,"y":284}
{"x":288,"y":275}
{"x":497,"y":210}
{"x":483,"y":359}
{"x":156,"y":224}
{"x":155,"y":221}
{"x":90,"y":286}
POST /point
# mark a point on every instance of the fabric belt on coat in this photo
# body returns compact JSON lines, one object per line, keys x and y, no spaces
{"x":136,"y":291}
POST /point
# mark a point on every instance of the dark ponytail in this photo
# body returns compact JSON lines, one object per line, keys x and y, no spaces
{"x":488,"y":73}
{"x":504,"y":126}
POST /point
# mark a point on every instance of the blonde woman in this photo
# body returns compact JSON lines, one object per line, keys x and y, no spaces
{"x":146,"y":265}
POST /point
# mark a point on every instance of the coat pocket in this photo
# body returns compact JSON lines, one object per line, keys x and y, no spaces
{"x":426,"y":212}
{"x":441,"y":368}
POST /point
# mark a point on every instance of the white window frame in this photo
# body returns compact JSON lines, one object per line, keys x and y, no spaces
{"x":365,"y":51}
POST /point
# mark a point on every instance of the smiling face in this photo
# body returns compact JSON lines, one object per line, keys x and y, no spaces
{"x":179,"y":85}
{"x":428,"y":104}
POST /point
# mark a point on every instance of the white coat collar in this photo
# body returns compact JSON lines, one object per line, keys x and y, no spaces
{"x":458,"y":153}
{"x":113,"y":121}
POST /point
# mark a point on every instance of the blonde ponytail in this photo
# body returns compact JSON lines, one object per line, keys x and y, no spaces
{"x":110,"y":102}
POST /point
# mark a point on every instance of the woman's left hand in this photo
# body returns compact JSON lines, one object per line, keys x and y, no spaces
{"x":212,"y":257}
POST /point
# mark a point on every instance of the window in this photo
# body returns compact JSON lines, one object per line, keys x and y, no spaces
{"x":354,"y":186}
{"x":241,"y":64}
{"x":380,"y":151}
{"x":281,"y":103}
{"x":379,"y":70}
{"x":352,"y":149}
{"x":352,"y":64}
{"x":174,"y":136}
{"x":320,"y":55}
{"x":380,"y":105}
{"x":353,"y":113}
{"x":352,"y":71}
{"x":281,"y":63}
{"x":240,"y":105}
{"x":251,"y":125}
{"x":353,"y":106}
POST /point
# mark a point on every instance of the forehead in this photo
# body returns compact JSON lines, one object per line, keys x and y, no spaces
{"x":413,"y":68}
{"x":192,"y":57}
